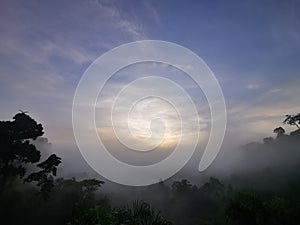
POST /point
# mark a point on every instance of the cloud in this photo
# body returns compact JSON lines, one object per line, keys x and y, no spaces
{"x":143,"y":116}
{"x":120,"y":21}
{"x":44,"y":50}
{"x":257,"y":118}
{"x":253,"y":86}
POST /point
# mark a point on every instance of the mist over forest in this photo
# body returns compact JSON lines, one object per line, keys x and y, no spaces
{"x":261,"y":187}
{"x":148,"y":112}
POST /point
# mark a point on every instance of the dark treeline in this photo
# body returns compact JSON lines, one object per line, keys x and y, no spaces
{"x":31,"y":193}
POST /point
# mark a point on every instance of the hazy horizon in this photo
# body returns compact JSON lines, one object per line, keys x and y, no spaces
{"x":251,"y":47}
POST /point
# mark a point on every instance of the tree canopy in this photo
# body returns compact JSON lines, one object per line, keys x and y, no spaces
{"x":293,"y":120}
{"x":18,"y":151}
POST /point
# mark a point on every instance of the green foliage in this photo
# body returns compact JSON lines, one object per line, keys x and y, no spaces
{"x":246,"y":208}
{"x":142,"y":214}
{"x":78,"y":202}
{"x":83,"y":190}
{"x":139,"y":214}
{"x":95,"y":215}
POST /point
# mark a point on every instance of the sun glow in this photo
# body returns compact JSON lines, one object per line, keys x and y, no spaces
{"x":150,"y":123}
{"x":155,"y":122}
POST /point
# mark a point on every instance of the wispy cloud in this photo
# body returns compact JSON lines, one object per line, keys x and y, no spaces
{"x":253,"y":86}
{"x":44,"y":50}
{"x":46,"y":46}
{"x":258,"y":117}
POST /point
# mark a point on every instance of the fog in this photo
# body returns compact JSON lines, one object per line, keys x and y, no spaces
{"x":268,"y":163}
{"x":60,"y":183}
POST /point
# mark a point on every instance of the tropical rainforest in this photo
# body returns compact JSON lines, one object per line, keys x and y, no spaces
{"x":32,"y":191}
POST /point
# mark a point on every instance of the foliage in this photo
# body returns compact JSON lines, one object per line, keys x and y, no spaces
{"x":246,"y":208}
{"x":79,"y":202}
{"x":279,"y":131}
{"x":81,"y":190}
{"x":293,"y":120}
{"x":17,"y":151}
{"x":43,"y":177}
{"x":139,"y":214}
{"x":181,"y":187}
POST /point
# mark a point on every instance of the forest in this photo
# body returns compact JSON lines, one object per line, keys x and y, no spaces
{"x":32,"y":191}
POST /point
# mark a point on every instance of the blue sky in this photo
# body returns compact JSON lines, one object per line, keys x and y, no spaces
{"x":253,"y":48}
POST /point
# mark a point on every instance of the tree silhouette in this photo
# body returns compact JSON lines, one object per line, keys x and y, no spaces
{"x":181,"y":187}
{"x":140,"y":214}
{"x":214,"y":186}
{"x":84,"y":189}
{"x":293,"y":120}
{"x":268,"y":140}
{"x":279,"y":131}
{"x":246,"y":208}
{"x":43,"y":177}
{"x":17,"y":151}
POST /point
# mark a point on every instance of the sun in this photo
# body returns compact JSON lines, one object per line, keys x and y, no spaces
{"x":154,"y":122}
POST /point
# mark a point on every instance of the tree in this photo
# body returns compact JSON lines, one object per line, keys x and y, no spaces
{"x":246,"y":208}
{"x":279,"y":131}
{"x":44,"y":177}
{"x":214,"y":186}
{"x":268,"y":140}
{"x":181,"y":187}
{"x":17,"y":152}
{"x":142,"y":213}
{"x":293,"y":120}
{"x":139,"y":214}
{"x":82,"y":190}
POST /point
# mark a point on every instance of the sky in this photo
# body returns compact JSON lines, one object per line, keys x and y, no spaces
{"x":252,"y":47}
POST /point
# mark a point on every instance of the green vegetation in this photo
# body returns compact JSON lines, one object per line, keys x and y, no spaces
{"x":30,"y":194}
